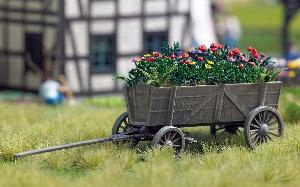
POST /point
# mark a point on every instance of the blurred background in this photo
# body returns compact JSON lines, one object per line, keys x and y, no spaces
{"x":79,"y":45}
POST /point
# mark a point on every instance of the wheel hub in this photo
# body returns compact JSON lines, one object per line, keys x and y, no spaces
{"x":169,"y":143}
{"x":264,"y":129}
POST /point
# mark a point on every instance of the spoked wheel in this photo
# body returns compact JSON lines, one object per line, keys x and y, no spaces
{"x":225,"y":129}
{"x":169,"y":136}
{"x":121,"y":126}
{"x":262,"y":125}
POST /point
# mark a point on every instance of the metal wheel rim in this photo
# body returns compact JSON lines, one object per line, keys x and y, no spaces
{"x":264,"y":124}
{"x":171,"y":137}
{"x":120,"y":124}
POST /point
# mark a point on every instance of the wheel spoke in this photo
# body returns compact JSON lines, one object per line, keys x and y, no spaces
{"x":176,"y":145}
{"x":175,"y":140}
{"x":274,"y":134}
{"x":255,"y":126}
{"x":162,"y":142}
{"x":168,"y":135}
{"x":270,"y":119}
{"x":256,"y":139}
{"x":269,"y":137}
{"x":125,"y":121}
{"x":257,"y":122}
{"x":271,"y":124}
{"x":173,"y":136}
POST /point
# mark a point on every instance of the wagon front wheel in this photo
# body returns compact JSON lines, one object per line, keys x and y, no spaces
{"x":121,"y":125}
{"x":171,"y":137}
{"x":263,"y":124}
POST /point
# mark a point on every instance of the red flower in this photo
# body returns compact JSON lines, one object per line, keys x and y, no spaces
{"x":231,"y":54}
{"x":200,"y":59}
{"x":155,"y":54}
{"x":214,"y":45}
{"x":221,"y":46}
{"x":250,"y":49}
{"x":255,"y":55}
{"x":172,"y":56}
{"x":151,"y":59}
{"x":214,"y":49}
{"x":202,"y":48}
{"x":236,"y":51}
{"x":184,"y":55}
{"x":241,"y":66}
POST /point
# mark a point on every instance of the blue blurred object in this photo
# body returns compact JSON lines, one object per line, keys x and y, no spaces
{"x":50,"y":92}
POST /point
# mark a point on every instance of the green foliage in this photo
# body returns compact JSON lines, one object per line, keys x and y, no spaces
{"x":214,"y":65}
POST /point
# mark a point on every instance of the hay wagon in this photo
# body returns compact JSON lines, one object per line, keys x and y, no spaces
{"x":156,"y":114}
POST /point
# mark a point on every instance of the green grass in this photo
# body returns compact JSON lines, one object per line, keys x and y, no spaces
{"x":261,"y":24}
{"x":224,"y":161}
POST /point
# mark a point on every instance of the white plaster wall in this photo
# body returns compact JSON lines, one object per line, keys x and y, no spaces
{"x":130,"y":7}
{"x":68,"y":45}
{"x":71,"y":9}
{"x":72,"y":75}
{"x":84,"y":71}
{"x":102,"y":27}
{"x":123,"y":66}
{"x":103,"y":82}
{"x":16,"y":37}
{"x":80,"y":33}
{"x":176,"y":28}
{"x":33,"y":5}
{"x":181,"y":6}
{"x":50,"y":38}
{"x":156,"y":24}
{"x":33,"y":81}
{"x":33,"y":28}
{"x":129,"y":36}
{"x":33,"y":17}
{"x":16,"y":65}
{"x":15,"y":4}
{"x":85,"y":6}
{"x":104,"y":8}
{"x":156,"y":7}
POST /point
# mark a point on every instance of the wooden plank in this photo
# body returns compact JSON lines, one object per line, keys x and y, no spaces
{"x":235,"y":100}
{"x":172,"y":104}
{"x":219,"y":104}
{"x":262,"y":94}
{"x":194,"y":112}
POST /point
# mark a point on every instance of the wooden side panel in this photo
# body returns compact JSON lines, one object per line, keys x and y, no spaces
{"x":197,"y":105}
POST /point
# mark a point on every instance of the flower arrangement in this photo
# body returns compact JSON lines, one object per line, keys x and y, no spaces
{"x":216,"y":64}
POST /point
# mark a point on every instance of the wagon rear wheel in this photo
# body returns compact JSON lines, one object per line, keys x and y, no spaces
{"x":121,"y":125}
{"x":262,"y":125}
{"x":222,"y":129}
{"x":169,"y":136}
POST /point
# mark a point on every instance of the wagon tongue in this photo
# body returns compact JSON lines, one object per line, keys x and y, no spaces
{"x":113,"y":138}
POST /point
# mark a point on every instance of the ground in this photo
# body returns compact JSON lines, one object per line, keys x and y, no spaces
{"x":224,"y":161}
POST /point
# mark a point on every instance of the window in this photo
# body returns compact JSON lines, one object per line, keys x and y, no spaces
{"x":102,"y":53}
{"x":34,"y":48}
{"x":153,"y":40}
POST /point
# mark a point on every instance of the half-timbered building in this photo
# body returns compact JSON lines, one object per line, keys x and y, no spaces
{"x":88,"y":41}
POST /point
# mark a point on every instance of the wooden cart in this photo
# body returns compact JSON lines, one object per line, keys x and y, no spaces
{"x":157,"y":114}
{"x":163,"y":110}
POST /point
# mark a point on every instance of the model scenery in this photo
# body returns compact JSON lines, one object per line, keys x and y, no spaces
{"x":210,"y":86}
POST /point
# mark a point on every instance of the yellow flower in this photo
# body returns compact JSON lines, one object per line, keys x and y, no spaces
{"x":192,"y":63}
{"x":207,"y":66}
{"x":147,"y":55}
{"x":210,"y":62}
{"x":291,"y":74}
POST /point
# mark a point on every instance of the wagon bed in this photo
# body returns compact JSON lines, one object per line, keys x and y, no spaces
{"x":198,"y":105}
